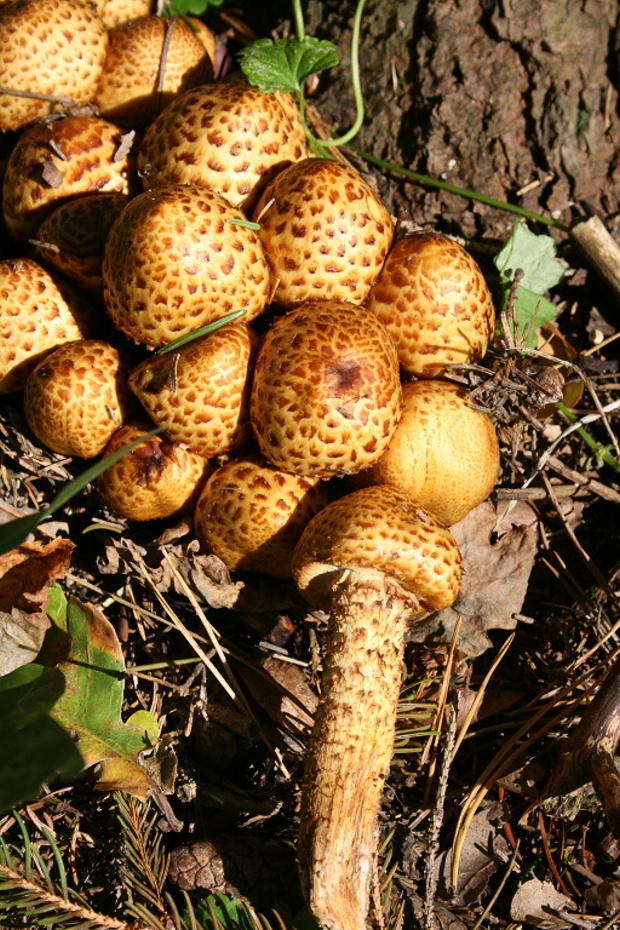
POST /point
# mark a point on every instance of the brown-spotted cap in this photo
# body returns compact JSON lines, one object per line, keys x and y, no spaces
{"x":377,"y":531}
{"x":326,"y":396}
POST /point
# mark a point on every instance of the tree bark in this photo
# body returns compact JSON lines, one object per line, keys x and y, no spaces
{"x":512,"y":98}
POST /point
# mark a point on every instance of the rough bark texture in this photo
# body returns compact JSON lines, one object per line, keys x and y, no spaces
{"x":491,"y":95}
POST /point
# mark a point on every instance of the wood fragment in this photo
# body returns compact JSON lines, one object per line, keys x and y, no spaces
{"x":51,"y":175}
{"x":599,"y":247}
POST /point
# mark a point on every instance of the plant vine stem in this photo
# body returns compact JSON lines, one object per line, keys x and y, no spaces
{"x":459,"y":191}
{"x":298,"y":16}
{"x":320,"y":145}
{"x":596,"y":447}
{"x":355,"y":78}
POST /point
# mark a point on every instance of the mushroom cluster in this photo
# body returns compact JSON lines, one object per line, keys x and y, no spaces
{"x":144,"y":200}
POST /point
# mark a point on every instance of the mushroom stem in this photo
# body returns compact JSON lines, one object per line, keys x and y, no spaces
{"x":374,"y":559}
{"x":351,"y":747}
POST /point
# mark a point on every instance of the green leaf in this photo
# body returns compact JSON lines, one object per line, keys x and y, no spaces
{"x":56,"y":607}
{"x":34,"y":748}
{"x":14,"y":532}
{"x":285,"y":64}
{"x":229,"y":913}
{"x":531,"y":312}
{"x":189,"y":7}
{"x":534,"y":256}
{"x":91,"y":704}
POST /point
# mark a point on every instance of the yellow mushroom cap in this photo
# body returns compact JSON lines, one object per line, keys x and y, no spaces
{"x":224,"y":136}
{"x":326,"y":395}
{"x":443,"y":452}
{"x":251,"y":514}
{"x":325,"y":232}
{"x":77,"y":397}
{"x":71,"y":238}
{"x":157,"y":479}
{"x":201,"y":394}
{"x":113,"y":12}
{"x":206,"y":36}
{"x":38,"y":312}
{"x":434,"y":300}
{"x":139,"y":78}
{"x":378,"y":532}
{"x":54,"y":161}
{"x":52,"y":47}
{"x":178,"y":258}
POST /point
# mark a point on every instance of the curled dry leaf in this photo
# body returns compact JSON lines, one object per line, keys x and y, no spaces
{"x":537,"y":903}
{"x":495,"y":578}
{"x":486,"y":850}
{"x":25,"y":575}
{"x":205,"y":575}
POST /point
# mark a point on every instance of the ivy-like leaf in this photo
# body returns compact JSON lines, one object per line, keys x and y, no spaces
{"x":284,"y":65}
{"x":34,"y":748}
{"x":531,"y":312}
{"x":532,"y":255}
{"x":91,"y":704}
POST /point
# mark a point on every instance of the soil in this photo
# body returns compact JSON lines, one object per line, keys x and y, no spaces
{"x":517,"y":100}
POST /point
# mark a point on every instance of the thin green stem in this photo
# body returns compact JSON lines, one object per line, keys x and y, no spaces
{"x":315,"y":144}
{"x":600,"y":451}
{"x":459,"y":191}
{"x":298,"y":16}
{"x":355,"y":78}
{"x":320,"y":146}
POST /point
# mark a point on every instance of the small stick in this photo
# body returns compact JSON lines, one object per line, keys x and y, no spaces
{"x":52,"y":98}
{"x":602,"y":251}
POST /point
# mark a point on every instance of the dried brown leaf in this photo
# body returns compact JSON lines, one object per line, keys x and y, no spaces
{"x":495,"y":579}
{"x":206,"y":575}
{"x":535,"y":903}
{"x":282,"y":690}
{"x":25,"y":576}
{"x":21,"y":639}
{"x":485,"y":850}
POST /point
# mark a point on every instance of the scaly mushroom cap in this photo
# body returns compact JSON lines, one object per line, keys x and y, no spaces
{"x":251,"y":515}
{"x":325,"y":235}
{"x":443,"y":452}
{"x":77,"y":397}
{"x":287,"y":102}
{"x":201,"y":394}
{"x":223,"y":136}
{"x":326,"y":395}
{"x":177,"y":259}
{"x":38,"y":312}
{"x":54,"y":47}
{"x":373,"y":532}
{"x":71,"y":238}
{"x":114,"y":12}
{"x":435,"y":302}
{"x":138,"y":79}
{"x":206,"y":36}
{"x":54,"y":161}
{"x":157,"y":479}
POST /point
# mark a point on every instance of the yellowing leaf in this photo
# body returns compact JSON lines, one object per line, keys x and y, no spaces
{"x":91,"y":704}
